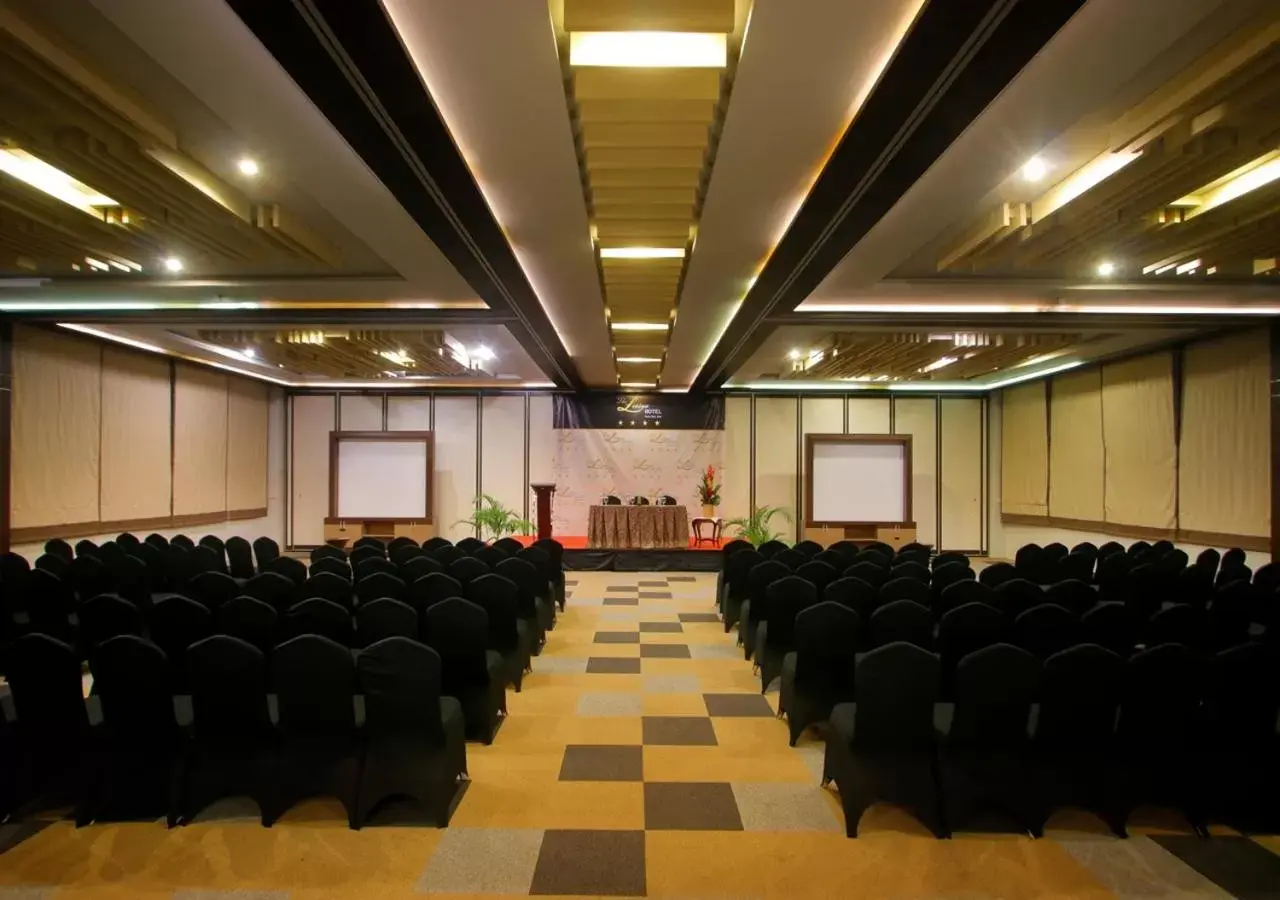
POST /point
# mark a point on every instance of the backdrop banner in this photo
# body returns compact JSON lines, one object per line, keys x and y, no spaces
{"x":592,"y":463}
{"x":609,"y":410}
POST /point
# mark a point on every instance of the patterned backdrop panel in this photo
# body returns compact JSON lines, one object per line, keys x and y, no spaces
{"x":592,"y":463}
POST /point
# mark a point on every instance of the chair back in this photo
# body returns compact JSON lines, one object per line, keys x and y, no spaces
{"x":469,"y":545}
{"x":490,"y":556}
{"x":315,"y":685}
{"x":366,"y":551}
{"x":819,"y":574}
{"x":531,"y":585}
{"x":873,"y":574}
{"x":967,"y":629}
{"x":435,"y":543}
{"x":855,"y":594}
{"x":379,"y":585}
{"x":326,"y":551}
{"x":959,"y":593}
{"x":895,"y":688}
{"x":240,"y":557}
{"x":329,"y":585}
{"x":874,"y":556}
{"x":372,"y":565}
{"x":826,"y":637}
{"x":499,"y":597}
{"x":131,"y":679}
{"x":738,"y":568}
{"x":1016,"y":596}
{"x":253,"y":621}
{"x":787,"y":597}
{"x":322,"y":617}
{"x":458,"y":630}
{"x":175,"y":624}
{"x":89,"y":577}
{"x":467,"y":569}
{"x":906,"y":587}
{"x":1109,"y":625}
{"x":228,"y":689}
{"x":1181,"y":624}
{"x":386,"y":618}
{"x":59,"y":547}
{"x":1073,"y":595}
{"x":401,"y":681}
{"x":508,"y":545}
{"x":371,"y":542}
{"x":430,"y":589}
{"x":418,"y":567}
{"x":790,"y":557}
{"x":1208,"y":560}
{"x":1077,"y":565}
{"x":909,"y":569}
{"x":758,"y":580}
{"x":1045,"y":629}
{"x":834,"y":558}
{"x":771,"y":548}
{"x":993,"y":690}
{"x":1079,"y":694}
{"x":1242,"y":698}
{"x":997,"y":574}
{"x":847,"y":549}
{"x":48,"y":694}
{"x":1159,"y":709}
{"x":107,"y":616}
{"x":1231,"y":613}
{"x":948,"y":557}
{"x":902,"y":621}
{"x":213,"y":589}
{"x":293,"y":569}
{"x":271,"y":588}
{"x":56,"y":563}
{"x":809,"y":549}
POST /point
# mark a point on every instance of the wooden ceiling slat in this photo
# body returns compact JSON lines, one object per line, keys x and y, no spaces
{"x":682,"y":179}
{"x":607,"y":83}
{"x":645,"y":134}
{"x":644,"y":158}
{"x":652,"y":15}
{"x":633,"y":111}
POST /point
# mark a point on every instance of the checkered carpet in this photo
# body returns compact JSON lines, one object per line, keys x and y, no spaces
{"x":639,"y":760}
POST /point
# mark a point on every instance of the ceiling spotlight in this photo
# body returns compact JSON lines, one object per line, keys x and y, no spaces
{"x":250,"y":352}
{"x":794,"y":354}
{"x":1106,"y":269}
{"x":1034,"y":169}
{"x":247,"y":167}
{"x":173,"y":264}
{"x":482,"y":352}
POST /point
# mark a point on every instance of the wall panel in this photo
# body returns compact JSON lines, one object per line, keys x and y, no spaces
{"x":961,"y":483}
{"x":408,"y":413}
{"x":1138,"y":436}
{"x":735,"y":483}
{"x":55,"y":429}
{"x":137,"y":474}
{"x":918,"y":417}
{"x":502,"y":459}
{"x":456,"y":462}
{"x":869,"y":415}
{"x":777,"y":442}
{"x":1024,"y":460}
{"x":1076,"y":455}
{"x":542,"y":443}
{"x":247,"y":442}
{"x":360,"y":412}
{"x":199,"y":441}
{"x":821,"y":415}
{"x":312,"y":419}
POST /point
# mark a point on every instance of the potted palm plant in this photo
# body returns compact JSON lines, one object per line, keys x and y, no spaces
{"x":755,"y":527}
{"x":709,"y":492}
{"x":492,"y":517}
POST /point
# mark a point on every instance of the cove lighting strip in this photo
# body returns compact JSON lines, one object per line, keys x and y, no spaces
{"x":649,"y":49}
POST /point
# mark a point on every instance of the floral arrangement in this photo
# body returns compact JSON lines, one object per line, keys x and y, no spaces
{"x":709,"y":488}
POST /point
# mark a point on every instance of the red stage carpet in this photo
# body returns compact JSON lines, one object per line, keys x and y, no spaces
{"x":579,"y":542}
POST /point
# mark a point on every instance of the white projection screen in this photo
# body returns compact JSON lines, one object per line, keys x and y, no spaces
{"x":859,"y":480}
{"x":382,"y":478}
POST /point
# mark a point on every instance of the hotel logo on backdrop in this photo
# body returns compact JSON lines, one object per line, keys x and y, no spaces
{"x":603,"y":410}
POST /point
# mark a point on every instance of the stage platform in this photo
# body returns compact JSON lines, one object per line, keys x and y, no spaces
{"x":578,"y":556}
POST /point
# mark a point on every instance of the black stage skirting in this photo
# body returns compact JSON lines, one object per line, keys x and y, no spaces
{"x":642,"y":560}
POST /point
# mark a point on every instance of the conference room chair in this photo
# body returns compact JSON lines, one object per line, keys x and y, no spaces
{"x":880,"y":748}
{"x":385,"y":618}
{"x":819,"y":574}
{"x":174,"y":624}
{"x":1056,"y":551}
{"x":330,"y":586}
{"x":59,"y":548}
{"x":253,"y":621}
{"x":240,"y":558}
{"x":159,"y":541}
{"x":373,"y":564}
{"x":1193,"y":586}
{"x":50,"y":603}
{"x":1162,"y":547}
{"x":542,"y":557}
{"x":857,"y":595}
{"x":508,"y":545}
{"x":737,"y":581}
{"x":902,"y":621}
{"x":432,"y":588}
{"x":885,"y":550}
{"x":89,"y":577}
{"x":807,"y":547}
{"x":1028,"y":560}
{"x":1230,"y":614}
{"x":435,"y":543}
{"x":104,"y":617}
{"x":909,"y":569}
{"x":1073,"y":595}
{"x":847,"y":549}
{"x":997,"y":574}
{"x":371,"y":542}
{"x":771,"y":548}
{"x":178,"y":540}
{"x":131,"y":578}
{"x":469,"y":545}
{"x":1016,"y":596}
{"x":964,"y":630}
{"x":611,"y":500}
{"x":293,"y":569}
{"x":790,"y":557}
{"x":1077,"y":566}
{"x":331,"y":566}
{"x":213,"y":589}
{"x":1086,"y":547}
{"x":1267,"y":577}
{"x":218,"y":546}
{"x":948,"y":574}
{"x":205,"y":559}
{"x":1109,"y":625}
{"x":403,"y":553}
{"x":1173,"y":562}
{"x":906,"y":587}
{"x":232,"y":738}
{"x":55,"y":564}
{"x":51,"y":728}
{"x":959,"y":593}
{"x":490,"y":556}
{"x":1137,"y":548}
{"x":1208,"y":560}
{"x":153,"y":567}
{"x":870,"y":572}
{"x":509,"y":635}
{"x":1156,"y":759}
{"x":775,"y":637}
{"x":750,"y":615}
{"x":534,"y":606}
{"x":1180,"y":624}
{"x":982,"y":737}
{"x":555,"y":557}
{"x":1239,"y":741}
{"x":458,"y":630}
{"x":467,"y":569}
{"x":1080,"y":690}
{"x":400,"y":543}
{"x":379,"y":585}
{"x":271,"y":588}
{"x":819,"y":672}
{"x":947,"y":557}
{"x":138,"y":744}
{"x":326,"y":551}
{"x":366,"y":551}
{"x":415,"y":744}
{"x":322,"y":617}
{"x":318,"y":746}
{"x":1113,"y":576}
{"x":86,"y":547}
{"x":418,"y":567}
{"x":834,"y":558}
{"x":1044,"y":629}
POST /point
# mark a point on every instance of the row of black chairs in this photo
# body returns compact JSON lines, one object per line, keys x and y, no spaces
{"x":312,"y":719}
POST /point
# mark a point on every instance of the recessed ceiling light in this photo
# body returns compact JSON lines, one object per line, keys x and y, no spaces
{"x":482,"y":352}
{"x":636,"y":384}
{"x":250,"y":352}
{"x":247,"y":166}
{"x":173,"y":264}
{"x":1106,"y":269}
{"x":638,"y":326}
{"x":641,"y":252}
{"x":639,"y":359}
{"x":1034,"y":169}
{"x":794,"y":354}
{"x":650,"y":49}
{"x":56,"y":183}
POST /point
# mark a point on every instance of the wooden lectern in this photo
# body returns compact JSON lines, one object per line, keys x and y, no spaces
{"x":543,"y":493}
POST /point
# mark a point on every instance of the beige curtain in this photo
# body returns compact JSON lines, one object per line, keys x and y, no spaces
{"x":200,"y":441}
{"x":248,"y":405}
{"x":56,"y":412}
{"x":1137,"y":430}
{"x":1076,"y":459}
{"x":1024,"y":450}
{"x":137,"y":475}
{"x":1224,"y":481}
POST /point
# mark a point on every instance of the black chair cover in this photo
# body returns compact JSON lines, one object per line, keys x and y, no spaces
{"x":385,"y":618}
{"x":902,"y":621}
{"x":754,"y":608}
{"x":458,"y":630}
{"x":500,"y":599}
{"x":331,"y":565}
{"x":379,"y":585}
{"x":819,"y":673}
{"x":272,"y":588}
{"x":213,"y":589}
{"x":253,"y":621}
{"x":107,"y":616}
{"x":787,"y":597}
{"x":431,"y":589}
{"x":467,"y":569}
{"x":906,"y":587}
{"x":322,"y":617}
{"x":964,"y":630}
{"x":374,"y":564}
{"x":293,"y":569}
{"x":1109,"y":625}
{"x":1044,"y":630}
{"x":240,"y":558}
{"x":1073,"y":595}
{"x":329,"y":586}
{"x":819,"y":574}
{"x":175,"y":624}
{"x":961,"y":592}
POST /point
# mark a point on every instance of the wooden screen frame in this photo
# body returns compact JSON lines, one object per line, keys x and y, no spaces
{"x":425,"y":437}
{"x":811,"y":440}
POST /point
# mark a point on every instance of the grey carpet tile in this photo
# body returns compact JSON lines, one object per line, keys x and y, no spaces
{"x":621,"y":601}
{"x":483,"y":861}
{"x":1245,"y":869}
{"x":677,"y":731}
{"x":661,"y":627}
{"x":655,"y":595}
{"x":664,"y":651}
{"x":609,"y":665}
{"x":682,"y":578}
{"x":599,"y":863}
{"x":602,"y":762}
{"x":1138,"y":868}
{"x":737,"y":705}
{"x":700,"y":617}
{"x":685,"y":806}
{"x":616,"y":637}
{"x":651,"y":584}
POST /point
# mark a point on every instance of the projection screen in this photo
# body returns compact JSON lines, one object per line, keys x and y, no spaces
{"x":382,"y":479}
{"x":853,"y":480}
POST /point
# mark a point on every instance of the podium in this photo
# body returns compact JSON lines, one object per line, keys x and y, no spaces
{"x":542,"y":495}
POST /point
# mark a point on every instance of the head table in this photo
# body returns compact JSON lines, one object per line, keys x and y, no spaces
{"x":642,"y":527}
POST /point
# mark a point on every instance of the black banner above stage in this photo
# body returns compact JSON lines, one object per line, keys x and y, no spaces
{"x":608,"y":410}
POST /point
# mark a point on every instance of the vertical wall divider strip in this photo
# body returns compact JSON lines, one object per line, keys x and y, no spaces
{"x":1176,"y":365}
{"x":6,"y":432}
{"x":797,"y":512}
{"x":1275,"y":439}
{"x":102,"y":368}
{"x":526,"y":456}
{"x":173,"y":429}
{"x":984,"y":463}
{"x":893,"y":414}
{"x":431,"y":412}
{"x":937,"y":470}
{"x":751,"y":455}
{"x":288,"y":470}
{"x":479,"y":451}
{"x":844,"y":409}
{"x":386,"y":412}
